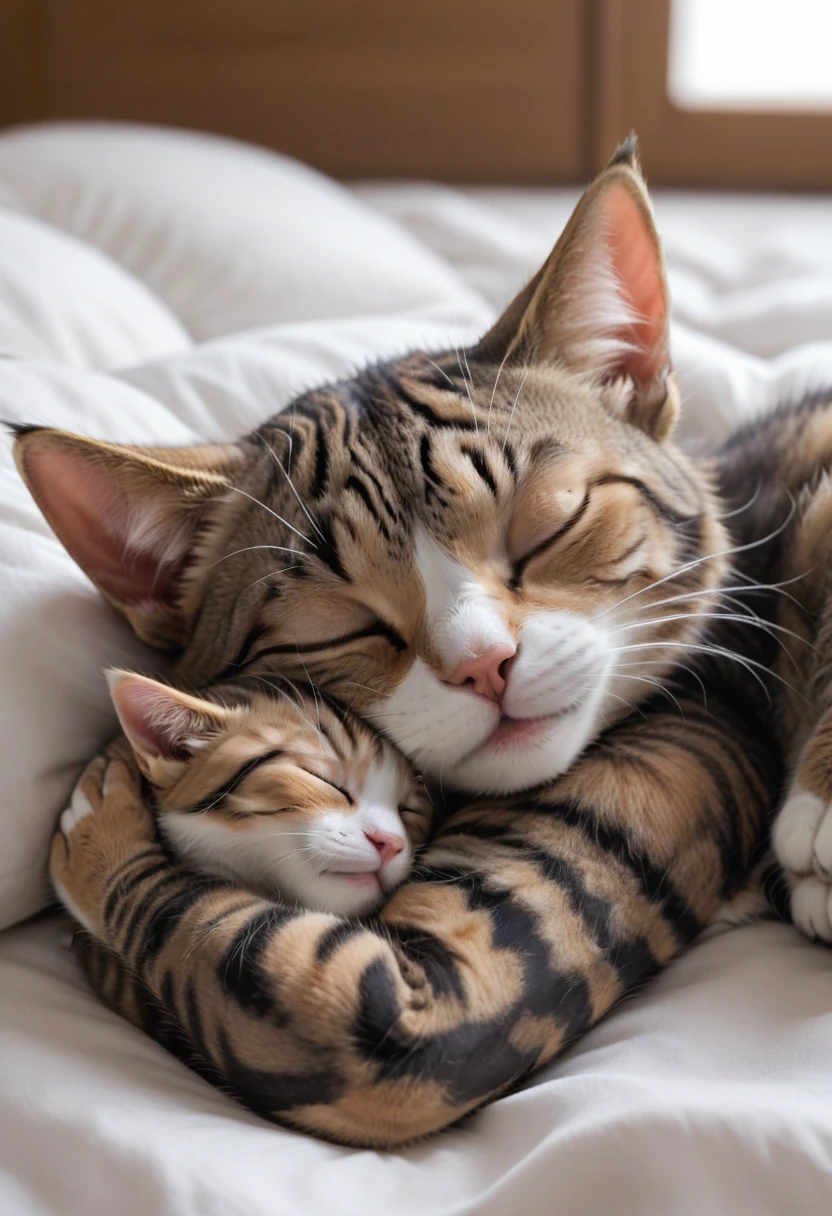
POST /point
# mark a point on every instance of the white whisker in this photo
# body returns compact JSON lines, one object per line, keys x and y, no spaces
{"x":751,"y":584}
{"x":750,"y":503}
{"x":375,"y":691}
{"x":251,"y":548}
{"x":301,"y":503}
{"x":442,"y":372}
{"x":271,"y":574}
{"x":513,"y":407}
{"x":754,"y":622}
{"x":686,"y":596}
{"x":312,"y":687}
{"x":275,"y":515}
{"x":676,"y":667}
{"x":708,"y":557}
{"x":286,"y":697}
{"x":659,"y":688}
{"x":721,"y":593}
{"x":494,"y":391}
{"x":719,"y":652}
{"x":633,"y":708}
{"x":467,"y":390}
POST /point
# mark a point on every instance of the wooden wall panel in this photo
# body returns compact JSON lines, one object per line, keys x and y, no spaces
{"x":485,"y":90}
{"x":463,"y":90}
{"x":19,"y":100}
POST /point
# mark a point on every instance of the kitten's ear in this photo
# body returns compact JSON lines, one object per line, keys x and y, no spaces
{"x":600,"y":304}
{"x":131,"y":518}
{"x":163,"y":725}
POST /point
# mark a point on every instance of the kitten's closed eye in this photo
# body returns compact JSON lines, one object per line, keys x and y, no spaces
{"x":279,"y":792}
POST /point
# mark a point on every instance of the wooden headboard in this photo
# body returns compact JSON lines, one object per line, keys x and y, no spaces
{"x":466,"y":90}
{"x":516,"y":91}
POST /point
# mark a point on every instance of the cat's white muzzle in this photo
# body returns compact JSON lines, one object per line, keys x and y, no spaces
{"x":554,"y":702}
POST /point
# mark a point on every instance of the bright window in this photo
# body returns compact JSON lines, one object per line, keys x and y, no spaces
{"x":751,"y":55}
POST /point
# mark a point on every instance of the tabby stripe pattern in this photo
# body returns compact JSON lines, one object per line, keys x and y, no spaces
{"x":525,"y":922}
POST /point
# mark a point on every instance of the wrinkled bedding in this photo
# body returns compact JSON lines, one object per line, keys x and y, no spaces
{"x":159,"y":287}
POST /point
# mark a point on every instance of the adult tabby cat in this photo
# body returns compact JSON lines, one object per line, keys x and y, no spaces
{"x":493,"y":555}
{"x":468,"y":547}
{"x":270,"y":784}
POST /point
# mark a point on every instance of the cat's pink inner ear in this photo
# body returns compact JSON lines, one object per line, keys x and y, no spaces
{"x":154,"y":719}
{"x":126,"y":545}
{"x":637,"y":265}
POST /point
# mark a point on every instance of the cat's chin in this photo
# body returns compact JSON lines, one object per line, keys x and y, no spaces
{"x":524,"y":752}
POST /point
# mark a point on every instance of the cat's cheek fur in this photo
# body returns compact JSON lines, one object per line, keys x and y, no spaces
{"x":434,"y":723}
{"x":205,"y":843}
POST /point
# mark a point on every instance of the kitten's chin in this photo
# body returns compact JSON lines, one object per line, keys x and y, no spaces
{"x":354,"y":892}
{"x":345,"y":894}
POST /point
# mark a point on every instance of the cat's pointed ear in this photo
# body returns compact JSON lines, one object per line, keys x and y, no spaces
{"x":163,"y":725}
{"x":600,"y":304}
{"x":131,"y":518}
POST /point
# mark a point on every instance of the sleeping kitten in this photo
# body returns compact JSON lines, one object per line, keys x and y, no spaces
{"x":276,"y":789}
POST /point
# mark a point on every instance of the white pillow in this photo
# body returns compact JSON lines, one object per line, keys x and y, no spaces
{"x":172,"y":235}
{"x":56,"y":632}
{"x":229,"y":236}
{"x":61,"y":299}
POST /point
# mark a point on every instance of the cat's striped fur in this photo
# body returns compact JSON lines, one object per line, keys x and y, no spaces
{"x":521,"y":499}
{"x":782,"y":465}
{"x":525,"y":922}
{"x":522,"y":496}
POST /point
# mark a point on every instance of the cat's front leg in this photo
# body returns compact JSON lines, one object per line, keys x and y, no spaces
{"x":802,"y":836}
{"x":104,"y":830}
{"x":311,"y":1020}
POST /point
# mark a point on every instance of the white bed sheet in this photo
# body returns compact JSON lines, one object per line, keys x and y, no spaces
{"x":708,"y":1094}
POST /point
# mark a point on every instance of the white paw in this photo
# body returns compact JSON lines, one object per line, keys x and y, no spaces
{"x":802,"y":836}
{"x":812,"y":907}
{"x":78,"y":809}
{"x":802,"y":840}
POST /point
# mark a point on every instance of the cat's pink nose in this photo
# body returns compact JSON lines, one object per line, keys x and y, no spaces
{"x":483,"y":672}
{"x":387,"y":844}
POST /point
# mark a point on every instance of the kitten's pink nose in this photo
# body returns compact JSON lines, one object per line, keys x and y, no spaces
{"x":387,"y":843}
{"x":483,"y":671}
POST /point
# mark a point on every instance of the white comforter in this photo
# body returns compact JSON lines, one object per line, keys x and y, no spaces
{"x":210,"y":284}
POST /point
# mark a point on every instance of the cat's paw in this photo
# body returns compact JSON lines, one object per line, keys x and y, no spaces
{"x":802,"y":840}
{"x":105,"y":825}
{"x":811,"y":906}
{"x":81,"y":803}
